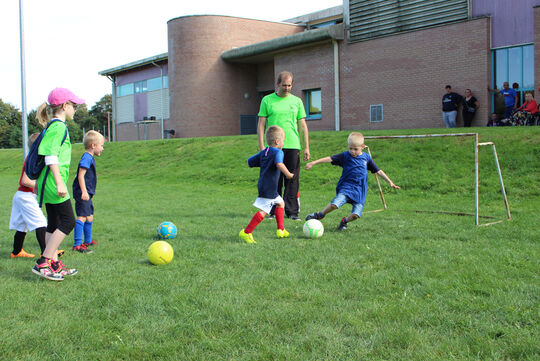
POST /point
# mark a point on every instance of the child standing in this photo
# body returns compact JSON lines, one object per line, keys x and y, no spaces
{"x":352,"y":186}
{"x":56,"y":147}
{"x":25,"y":213}
{"x":270,"y":160}
{"x":84,"y":188}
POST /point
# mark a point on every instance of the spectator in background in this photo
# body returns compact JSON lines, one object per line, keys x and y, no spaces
{"x":493,"y":121}
{"x":510,"y":98}
{"x":450,"y":102}
{"x":525,"y":114}
{"x":470,"y":106}
{"x":515,"y":86}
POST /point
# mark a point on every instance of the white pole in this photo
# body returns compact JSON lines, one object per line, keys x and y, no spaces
{"x":23,"y":84}
{"x":336,"y":86}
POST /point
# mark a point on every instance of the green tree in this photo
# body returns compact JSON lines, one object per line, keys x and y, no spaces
{"x":10,"y":118}
{"x":100,"y":112}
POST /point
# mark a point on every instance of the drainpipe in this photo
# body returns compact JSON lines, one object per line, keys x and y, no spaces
{"x":113,"y":101}
{"x":336,"y":84}
{"x":161,"y":96}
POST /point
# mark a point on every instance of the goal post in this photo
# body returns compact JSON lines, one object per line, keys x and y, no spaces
{"x":477,"y":145}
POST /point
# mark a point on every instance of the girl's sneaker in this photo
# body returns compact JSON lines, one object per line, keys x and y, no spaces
{"x":61,"y":268}
{"x":22,"y":253}
{"x":93,"y":243}
{"x":43,"y":267}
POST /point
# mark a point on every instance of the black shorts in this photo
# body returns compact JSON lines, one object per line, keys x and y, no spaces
{"x":84,"y":208}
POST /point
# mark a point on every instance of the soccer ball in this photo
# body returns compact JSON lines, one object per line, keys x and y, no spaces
{"x":166,"y":230}
{"x":313,"y":228}
{"x":160,"y":252}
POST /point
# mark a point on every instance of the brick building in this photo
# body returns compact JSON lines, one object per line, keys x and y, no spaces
{"x":369,"y":64}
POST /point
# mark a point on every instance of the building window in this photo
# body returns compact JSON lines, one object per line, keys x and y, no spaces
{"x":123,"y":90}
{"x":155,"y":83}
{"x":376,"y":113}
{"x":516,"y":66}
{"x":313,"y":104}
{"x":323,"y":25}
{"x":140,"y":86}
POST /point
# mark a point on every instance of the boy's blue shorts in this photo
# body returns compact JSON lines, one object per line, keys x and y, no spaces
{"x":84,"y":208}
{"x":341,"y":199}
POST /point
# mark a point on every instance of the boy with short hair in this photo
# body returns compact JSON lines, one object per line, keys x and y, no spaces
{"x":84,"y":188}
{"x":26,"y":214}
{"x":270,"y":160}
{"x":352,"y":186}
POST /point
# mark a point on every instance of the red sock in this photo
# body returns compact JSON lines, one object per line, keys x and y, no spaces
{"x":279,"y":213}
{"x":257,"y":218}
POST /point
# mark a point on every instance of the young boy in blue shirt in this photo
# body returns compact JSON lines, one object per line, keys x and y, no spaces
{"x":84,"y":188}
{"x":270,"y":160}
{"x":352,"y":186}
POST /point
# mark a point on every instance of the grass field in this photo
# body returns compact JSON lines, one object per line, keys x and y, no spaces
{"x":396,"y":285}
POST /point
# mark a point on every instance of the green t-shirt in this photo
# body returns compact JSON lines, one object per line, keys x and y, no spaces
{"x":284,"y":112}
{"x":50,"y":145}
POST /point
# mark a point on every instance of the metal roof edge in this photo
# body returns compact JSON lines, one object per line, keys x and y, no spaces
{"x":334,"y":32}
{"x":135,"y":64}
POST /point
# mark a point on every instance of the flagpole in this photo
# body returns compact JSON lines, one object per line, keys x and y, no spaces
{"x":23,"y":84}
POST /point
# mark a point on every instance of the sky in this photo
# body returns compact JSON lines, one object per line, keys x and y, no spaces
{"x":67,"y":43}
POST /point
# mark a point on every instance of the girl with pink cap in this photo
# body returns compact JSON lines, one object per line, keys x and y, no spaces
{"x":51,"y":184}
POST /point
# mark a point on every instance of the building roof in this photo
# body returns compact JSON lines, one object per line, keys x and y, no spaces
{"x":135,"y":64}
{"x":265,"y":50}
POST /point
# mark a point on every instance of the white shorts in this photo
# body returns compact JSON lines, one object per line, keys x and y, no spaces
{"x":25,"y":213}
{"x":266,"y":204}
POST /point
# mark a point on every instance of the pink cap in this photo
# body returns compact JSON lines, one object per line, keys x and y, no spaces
{"x":59,"y":96}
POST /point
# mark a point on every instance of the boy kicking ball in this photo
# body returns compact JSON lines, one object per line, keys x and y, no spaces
{"x":270,"y":160}
{"x":352,"y":186}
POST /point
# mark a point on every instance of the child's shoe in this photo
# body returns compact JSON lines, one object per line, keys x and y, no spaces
{"x":93,"y":243}
{"x":316,"y":215}
{"x":22,"y":253}
{"x":61,"y":268}
{"x":60,"y":252}
{"x":248,"y":237}
{"x":43,"y":267}
{"x":282,"y":233}
{"x":82,"y":249}
{"x":343,"y":224}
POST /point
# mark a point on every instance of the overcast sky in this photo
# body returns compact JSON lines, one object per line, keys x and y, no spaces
{"x":68,"y":42}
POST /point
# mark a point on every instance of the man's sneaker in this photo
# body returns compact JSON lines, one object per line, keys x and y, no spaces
{"x":248,"y":237}
{"x":43,"y":268}
{"x":282,"y":233}
{"x":82,"y":249}
{"x":61,"y":268}
{"x":93,"y":243}
{"x":22,"y":253}
{"x":316,"y":215}
{"x":343,"y":224}
{"x":294,"y":218}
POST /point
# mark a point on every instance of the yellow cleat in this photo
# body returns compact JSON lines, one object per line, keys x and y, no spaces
{"x":23,"y":254}
{"x":248,"y":237}
{"x":282,"y":233}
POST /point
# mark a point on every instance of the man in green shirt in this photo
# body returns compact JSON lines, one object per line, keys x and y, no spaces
{"x":286,"y":111}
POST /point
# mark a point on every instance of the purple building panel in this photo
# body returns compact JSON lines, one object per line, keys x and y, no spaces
{"x":140,"y":106}
{"x":512,"y":22}
{"x":147,"y":72}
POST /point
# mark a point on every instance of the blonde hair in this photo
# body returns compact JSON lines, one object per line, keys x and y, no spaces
{"x":43,"y":112}
{"x":356,"y":138}
{"x":32,"y":139}
{"x":91,"y":137}
{"x":273,"y":133}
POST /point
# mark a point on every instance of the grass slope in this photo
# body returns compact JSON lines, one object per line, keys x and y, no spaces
{"x":397,"y":285}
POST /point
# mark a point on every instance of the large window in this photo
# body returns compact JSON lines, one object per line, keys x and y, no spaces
{"x":376,"y":113}
{"x":155,"y":83}
{"x":313,"y":104}
{"x":126,"y":89}
{"x":516,"y":66}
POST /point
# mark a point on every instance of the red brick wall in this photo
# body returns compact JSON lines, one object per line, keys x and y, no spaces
{"x":407,"y":73}
{"x":207,"y":95}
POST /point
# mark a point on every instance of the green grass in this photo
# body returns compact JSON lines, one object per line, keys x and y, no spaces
{"x":397,"y":285}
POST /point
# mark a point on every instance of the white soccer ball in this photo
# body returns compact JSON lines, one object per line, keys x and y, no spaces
{"x":313,"y":228}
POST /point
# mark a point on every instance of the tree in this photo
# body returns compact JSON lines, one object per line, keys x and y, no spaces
{"x":10,"y":117}
{"x":100,"y":112}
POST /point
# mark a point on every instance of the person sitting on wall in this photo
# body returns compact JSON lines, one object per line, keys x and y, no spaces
{"x":493,"y":121}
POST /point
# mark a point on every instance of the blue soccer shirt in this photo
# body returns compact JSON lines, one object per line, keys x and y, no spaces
{"x":267,"y":159}
{"x":354,"y":177}
{"x":90,"y":178}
